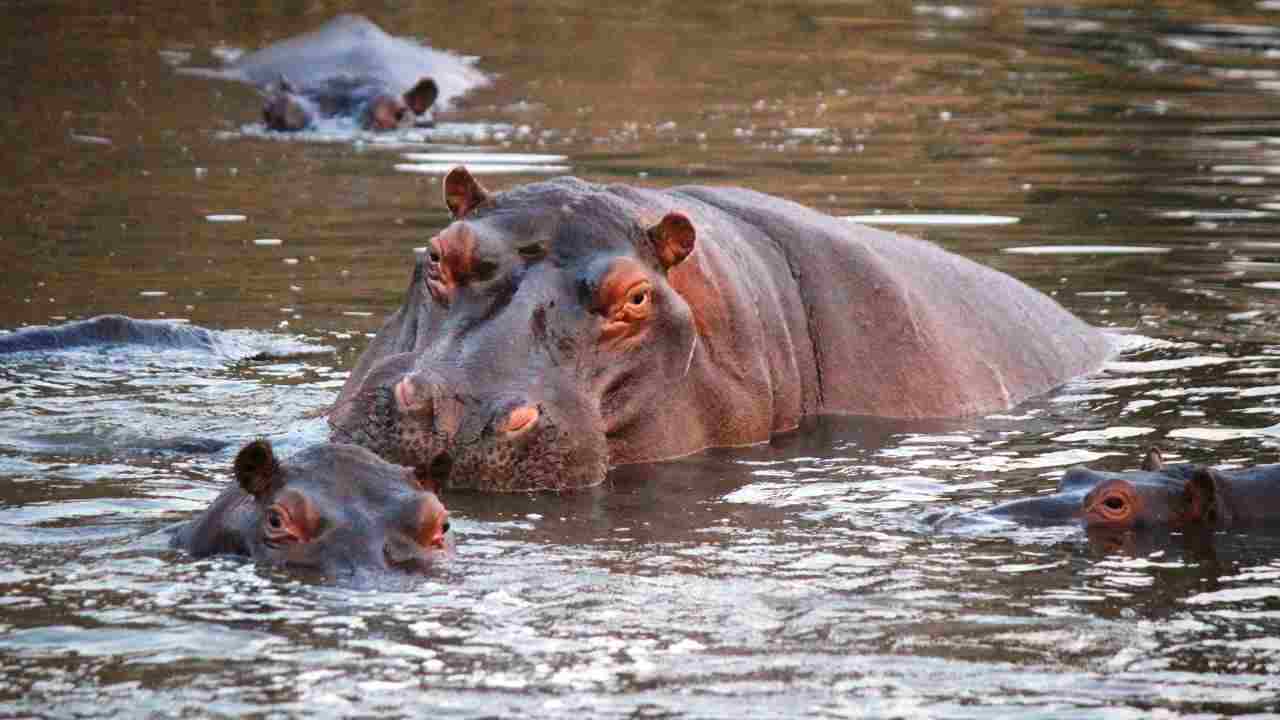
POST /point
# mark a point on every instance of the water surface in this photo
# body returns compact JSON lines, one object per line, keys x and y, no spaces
{"x":1137,"y":148}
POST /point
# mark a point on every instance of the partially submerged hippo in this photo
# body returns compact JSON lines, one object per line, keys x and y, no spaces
{"x":335,"y":508}
{"x":1158,"y":496}
{"x":105,"y":331}
{"x":560,"y":328}
{"x":350,"y":68}
{"x":108,"y":330}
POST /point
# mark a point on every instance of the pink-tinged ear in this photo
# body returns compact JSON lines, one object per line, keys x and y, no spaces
{"x":256,"y":468}
{"x":462,"y":193}
{"x":422,"y":95}
{"x":1200,"y":495}
{"x":672,"y":239}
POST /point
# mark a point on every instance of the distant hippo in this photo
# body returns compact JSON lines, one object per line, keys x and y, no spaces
{"x":560,"y":328}
{"x":109,"y":330}
{"x":1159,"y":496}
{"x":350,"y":68}
{"x":335,"y":508}
{"x":116,"y":330}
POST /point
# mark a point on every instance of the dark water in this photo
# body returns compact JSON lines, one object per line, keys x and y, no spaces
{"x":796,"y":578}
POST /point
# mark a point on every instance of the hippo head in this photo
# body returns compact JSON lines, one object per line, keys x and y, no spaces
{"x":538,"y":344}
{"x":1157,"y":496}
{"x":285,"y":109}
{"x":334,"y":508}
{"x":388,"y":112}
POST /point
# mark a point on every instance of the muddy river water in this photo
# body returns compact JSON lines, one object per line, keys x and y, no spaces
{"x":1124,"y":157}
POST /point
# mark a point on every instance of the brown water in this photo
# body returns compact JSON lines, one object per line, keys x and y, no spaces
{"x":796,"y":578}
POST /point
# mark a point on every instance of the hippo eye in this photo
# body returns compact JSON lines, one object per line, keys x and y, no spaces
{"x":639,"y":297}
{"x":274,"y":520}
{"x":434,"y":256}
{"x":530,"y":251}
{"x":1114,"y":503}
{"x":445,"y":527}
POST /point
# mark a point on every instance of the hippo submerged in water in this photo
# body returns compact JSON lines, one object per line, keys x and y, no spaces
{"x":350,"y":68}
{"x":560,"y":328}
{"x":334,"y":508}
{"x":105,"y":331}
{"x":1158,"y":496}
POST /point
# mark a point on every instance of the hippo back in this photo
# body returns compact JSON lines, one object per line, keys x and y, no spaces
{"x":900,"y":327}
{"x":352,"y":46}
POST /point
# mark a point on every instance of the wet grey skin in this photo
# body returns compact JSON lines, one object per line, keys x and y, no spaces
{"x":109,"y":330}
{"x":333,"y":508}
{"x":1157,"y":496}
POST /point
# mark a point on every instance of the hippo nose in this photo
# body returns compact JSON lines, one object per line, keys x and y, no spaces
{"x":519,"y":420}
{"x":433,"y":523}
{"x":413,"y":397}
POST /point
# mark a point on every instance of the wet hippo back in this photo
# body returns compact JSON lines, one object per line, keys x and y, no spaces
{"x":351,"y":46}
{"x":106,"y":330}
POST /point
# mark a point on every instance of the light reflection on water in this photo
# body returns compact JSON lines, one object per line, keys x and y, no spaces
{"x":796,"y":577}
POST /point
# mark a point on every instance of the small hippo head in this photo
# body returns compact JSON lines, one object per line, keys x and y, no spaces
{"x":285,"y":109}
{"x":1155,"y":497}
{"x":388,"y":112}
{"x":540,"y":343}
{"x":335,"y":508}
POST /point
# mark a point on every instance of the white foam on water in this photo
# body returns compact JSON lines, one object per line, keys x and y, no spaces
{"x":226,"y":218}
{"x":490,"y":169}
{"x":1086,"y":250}
{"x":268,"y":242}
{"x":933,"y":219}
{"x":483,"y":158}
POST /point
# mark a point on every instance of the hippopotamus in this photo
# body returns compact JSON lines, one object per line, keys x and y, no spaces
{"x":116,"y":330}
{"x":350,"y":68}
{"x":560,"y":328}
{"x":1157,"y":496}
{"x":334,"y":508}
{"x":109,"y":330}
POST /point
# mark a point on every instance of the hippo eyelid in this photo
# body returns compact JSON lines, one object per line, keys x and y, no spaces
{"x":531,"y":251}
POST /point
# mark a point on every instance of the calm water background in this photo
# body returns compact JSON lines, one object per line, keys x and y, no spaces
{"x":795,"y":578}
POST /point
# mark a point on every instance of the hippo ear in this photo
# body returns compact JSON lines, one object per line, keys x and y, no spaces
{"x":256,"y":468}
{"x":1153,"y":461}
{"x":672,"y":239}
{"x":462,"y":193}
{"x":422,"y":95}
{"x":283,"y":84}
{"x":1200,"y":496}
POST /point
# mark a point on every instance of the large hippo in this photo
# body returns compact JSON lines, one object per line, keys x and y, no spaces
{"x":350,"y":68}
{"x":1157,"y":496}
{"x":335,"y":508}
{"x":560,"y":328}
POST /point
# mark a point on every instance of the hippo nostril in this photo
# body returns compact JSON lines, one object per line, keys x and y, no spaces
{"x":520,"y":419}
{"x":440,"y":466}
{"x":444,"y":529}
